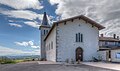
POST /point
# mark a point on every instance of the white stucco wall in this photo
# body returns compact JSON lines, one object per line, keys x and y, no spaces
{"x":51,"y":53}
{"x":43,"y":52}
{"x":67,"y":44}
{"x":113,"y":55}
{"x":102,"y":54}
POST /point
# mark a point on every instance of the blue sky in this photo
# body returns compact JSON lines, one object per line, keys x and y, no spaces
{"x":21,"y":33}
{"x":20,"y":19}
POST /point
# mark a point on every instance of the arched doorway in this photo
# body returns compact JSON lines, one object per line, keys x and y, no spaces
{"x":79,"y":54}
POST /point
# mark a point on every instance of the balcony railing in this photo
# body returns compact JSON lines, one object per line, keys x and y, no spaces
{"x":116,"y":45}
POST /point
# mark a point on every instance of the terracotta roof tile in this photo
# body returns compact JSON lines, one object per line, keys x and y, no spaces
{"x":108,"y":39}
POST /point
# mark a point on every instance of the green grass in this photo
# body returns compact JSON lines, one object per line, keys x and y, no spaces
{"x":5,"y":60}
{"x":13,"y":61}
{"x":18,"y":61}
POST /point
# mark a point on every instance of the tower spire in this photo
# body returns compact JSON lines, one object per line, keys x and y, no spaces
{"x":44,"y":28}
{"x":45,"y":20}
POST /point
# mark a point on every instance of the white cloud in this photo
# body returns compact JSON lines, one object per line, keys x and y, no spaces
{"x":11,"y":20}
{"x":9,"y":51}
{"x":30,"y":43}
{"x":35,"y":46}
{"x":22,"y":43}
{"x":22,"y":4}
{"x":103,"y":11}
{"x":27,"y":43}
{"x":32,"y":24}
{"x":24,"y":14}
{"x":15,"y":25}
{"x":36,"y":24}
{"x":54,"y":1}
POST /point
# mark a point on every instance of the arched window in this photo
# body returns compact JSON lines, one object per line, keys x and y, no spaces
{"x":52,"y":45}
{"x":49,"y":46}
{"x":44,"y":32}
{"x":79,"y":37}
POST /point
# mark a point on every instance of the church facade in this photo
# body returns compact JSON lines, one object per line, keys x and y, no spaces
{"x":75,"y":38}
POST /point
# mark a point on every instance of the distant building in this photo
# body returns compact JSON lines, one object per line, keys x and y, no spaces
{"x":109,"y":48}
{"x":75,"y":38}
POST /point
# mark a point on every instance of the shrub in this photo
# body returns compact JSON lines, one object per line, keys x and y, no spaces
{"x":95,"y":59}
{"x":72,"y":61}
{"x":5,"y":60}
{"x":100,"y":58}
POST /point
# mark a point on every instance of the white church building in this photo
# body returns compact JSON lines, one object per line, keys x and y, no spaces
{"x":75,"y":38}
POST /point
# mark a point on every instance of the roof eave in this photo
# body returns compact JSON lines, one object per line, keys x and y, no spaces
{"x":100,"y":27}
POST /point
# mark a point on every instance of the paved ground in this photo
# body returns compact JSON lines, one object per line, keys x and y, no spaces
{"x":113,"y":66}
{"x":35,"y":66}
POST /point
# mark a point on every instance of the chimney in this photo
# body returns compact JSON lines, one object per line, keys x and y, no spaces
{"x":102,"y":35}
{"x":114,"y":36}
{"x":118,"y":37}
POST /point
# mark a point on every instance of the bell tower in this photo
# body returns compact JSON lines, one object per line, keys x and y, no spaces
{"x":44,"y":28}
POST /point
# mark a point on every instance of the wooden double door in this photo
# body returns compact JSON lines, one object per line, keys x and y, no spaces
{"x":79,"y":54}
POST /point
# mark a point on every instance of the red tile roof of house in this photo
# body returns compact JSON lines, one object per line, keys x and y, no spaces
{"x":108,"y":39}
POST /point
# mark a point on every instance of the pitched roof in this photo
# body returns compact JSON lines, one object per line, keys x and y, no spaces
{"x":85,"y":19}
{"x":113,"y":48}
{"x":108,"y":39}
{"x":76,"y":17}
{"x":45,"y":20}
